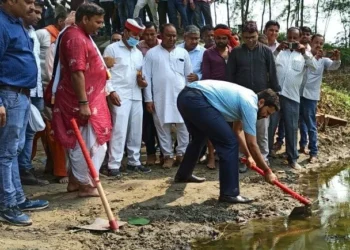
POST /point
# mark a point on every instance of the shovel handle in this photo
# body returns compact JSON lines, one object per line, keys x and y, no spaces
{"x":284,"y":188}
{"x":112,"y":222}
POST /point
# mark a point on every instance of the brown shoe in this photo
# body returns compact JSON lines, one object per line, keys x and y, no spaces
{"x":304,"y":150}
{"x":151,"y":160}
{"x":277,"y":146}
{"x":168,"y":162}
{"x":178,"y":160}
{"x":313,"y":159}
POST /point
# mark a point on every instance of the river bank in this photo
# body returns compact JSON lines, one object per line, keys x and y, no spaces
{"x":179,"y":213}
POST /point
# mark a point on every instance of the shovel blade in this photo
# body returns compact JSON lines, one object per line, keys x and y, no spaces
{"x":304,"y":211}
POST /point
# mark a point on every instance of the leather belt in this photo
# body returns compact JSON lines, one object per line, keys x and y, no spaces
{"x":24,"y":91}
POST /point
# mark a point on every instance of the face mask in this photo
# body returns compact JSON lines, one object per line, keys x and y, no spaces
{"x":132,"y":42}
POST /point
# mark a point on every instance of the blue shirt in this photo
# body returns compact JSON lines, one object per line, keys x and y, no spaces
{"x":17,"y":62}
{"x":196,"y":56}
{"x":234,"y":102}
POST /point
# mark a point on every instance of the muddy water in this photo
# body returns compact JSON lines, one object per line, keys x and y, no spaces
{"x":327,"y":228}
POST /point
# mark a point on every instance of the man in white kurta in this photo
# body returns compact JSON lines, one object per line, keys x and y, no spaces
{"x":165,"y":69}
{"x":126,"y":100}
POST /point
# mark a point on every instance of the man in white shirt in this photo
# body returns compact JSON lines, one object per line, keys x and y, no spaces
{"x":26,"y":168}
{"x":271,"y":31}
{"x":310,"y":94}
{"x":166,"y":68}
{"x":126,"y":99}
{"x":305,"y":38}
{"x":292,"y":60}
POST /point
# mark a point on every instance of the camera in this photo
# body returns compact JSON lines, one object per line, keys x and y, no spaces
{"x":328,"y":54}
{"x":293,"y":45}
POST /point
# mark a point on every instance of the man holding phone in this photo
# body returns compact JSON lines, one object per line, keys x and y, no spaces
{"x":310,"y":94}
{"x":292,"y":59}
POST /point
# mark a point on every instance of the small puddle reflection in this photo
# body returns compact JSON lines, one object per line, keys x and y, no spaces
{"x":327,"y":228}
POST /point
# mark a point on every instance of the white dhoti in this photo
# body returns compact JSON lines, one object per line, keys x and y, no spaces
{"x":76,"y":161}
{"x":165,"y":139}
{"x":127,"y":127}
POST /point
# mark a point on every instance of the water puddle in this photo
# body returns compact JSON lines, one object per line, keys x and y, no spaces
{"x":327,"y":228}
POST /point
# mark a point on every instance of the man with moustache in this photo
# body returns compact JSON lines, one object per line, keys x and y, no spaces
{"x":166,"y":68}
{"x":81,"y":95}
{"x":18,"y":75}
{"x":252,"y":65}
{"x":207,"y":35}
{"x":291,"y":65}
{"x":26,"y":168}
{"x":310,"y":95}
{"x":149,"y":132}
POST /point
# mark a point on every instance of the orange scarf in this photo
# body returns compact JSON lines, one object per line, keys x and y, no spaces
{"x":226,"y":32}
{"x":53,"y":32}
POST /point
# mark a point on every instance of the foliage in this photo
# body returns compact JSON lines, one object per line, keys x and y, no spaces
{"x":334,"y":102}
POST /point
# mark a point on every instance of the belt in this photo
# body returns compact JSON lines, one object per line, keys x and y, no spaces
{"x":24,"y":91}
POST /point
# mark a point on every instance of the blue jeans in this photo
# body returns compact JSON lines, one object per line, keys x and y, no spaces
{"x":173,"y":7}
{"x":25,"y":157}
{"x":12,"y":138}
{"x":276,"y":120}
{"x":125,"y":10}
{"x":204,"y":122}
{"x":290,"y":113}
{"x":308,"y":125}
{"x":202,"y":12}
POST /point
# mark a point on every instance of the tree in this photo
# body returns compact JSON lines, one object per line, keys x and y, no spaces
{"x":317,"y":12}
{"x":262,"y":16}
{"x":270,"y":11}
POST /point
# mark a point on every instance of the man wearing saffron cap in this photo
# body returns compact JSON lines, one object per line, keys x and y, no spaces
{"x":214,"y":66}
{"x":125,"y":99}
{"x":252,"y":65}
{"x":81,"y":95}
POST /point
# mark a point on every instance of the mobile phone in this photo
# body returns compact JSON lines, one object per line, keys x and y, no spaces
{"x":293,"y":45}
{"x":328,"y":54}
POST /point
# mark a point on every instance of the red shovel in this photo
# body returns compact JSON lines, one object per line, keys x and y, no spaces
{"x":281,"y":186}
{"x":112,"y":222}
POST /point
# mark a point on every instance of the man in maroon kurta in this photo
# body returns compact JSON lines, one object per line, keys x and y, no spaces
{"x":81,"y":95}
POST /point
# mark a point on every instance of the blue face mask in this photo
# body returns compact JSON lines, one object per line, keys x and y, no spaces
{"x":132,"y":41}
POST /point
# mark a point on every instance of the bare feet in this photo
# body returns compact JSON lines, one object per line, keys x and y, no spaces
{"x":87,"y":191}
{"x":211,"y":163}
{"x":72,"y":186}
{"x":63,"y":180}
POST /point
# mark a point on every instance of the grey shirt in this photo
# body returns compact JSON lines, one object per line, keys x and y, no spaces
{"x":254,"y":69}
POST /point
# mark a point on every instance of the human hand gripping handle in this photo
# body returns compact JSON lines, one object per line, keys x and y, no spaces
{"x":2,"y":116}
{"x":284,"y":188}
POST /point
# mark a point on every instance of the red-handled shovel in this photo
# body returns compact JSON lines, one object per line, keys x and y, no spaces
{"x":112,"y":222}
{"x":281,"y":186}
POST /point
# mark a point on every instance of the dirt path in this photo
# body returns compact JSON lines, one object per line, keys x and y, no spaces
{"x":179,"y":213}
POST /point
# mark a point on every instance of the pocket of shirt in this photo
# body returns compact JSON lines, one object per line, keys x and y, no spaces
{"x":298,"y":65}
{"x":180,"y":66}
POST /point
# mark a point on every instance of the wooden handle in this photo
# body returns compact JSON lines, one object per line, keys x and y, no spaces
{"x":112,"y":222}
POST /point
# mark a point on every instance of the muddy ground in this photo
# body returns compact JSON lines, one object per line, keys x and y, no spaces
{"x":179,"y":213}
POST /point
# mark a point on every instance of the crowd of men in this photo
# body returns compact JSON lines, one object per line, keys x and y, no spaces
{"x":217,"y":98}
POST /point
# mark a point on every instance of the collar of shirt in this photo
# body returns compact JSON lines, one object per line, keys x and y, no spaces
{"x":144,"y":45}
{"x":11,"y":18}
{"x":182,"y":45}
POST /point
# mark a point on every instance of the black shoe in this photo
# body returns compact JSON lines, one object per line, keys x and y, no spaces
{"x":114,"y":173}
{"x":234,"y":199}
{"x":28,"y":178}
{"x":192,"y":178}
{"x":139,"y":168}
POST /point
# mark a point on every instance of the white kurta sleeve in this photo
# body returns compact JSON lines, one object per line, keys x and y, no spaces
{"x":310,"y":61}
{"x":147,"y":73}
{"x":332,"y":65}
{"x":188,"y":65}
{"x":110,"y":53}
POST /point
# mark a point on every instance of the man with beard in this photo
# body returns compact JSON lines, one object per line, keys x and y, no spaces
{"x":18,"y":75}
{"x":310,"y":94}
{"x":305,"y":38}
{"x":81,"y":95}
{"x":214,"y":66}
{"x":252,"y":65}
{"x":166,"y":68}
{"x":207,"y":108}
{"x":207,"y":35}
